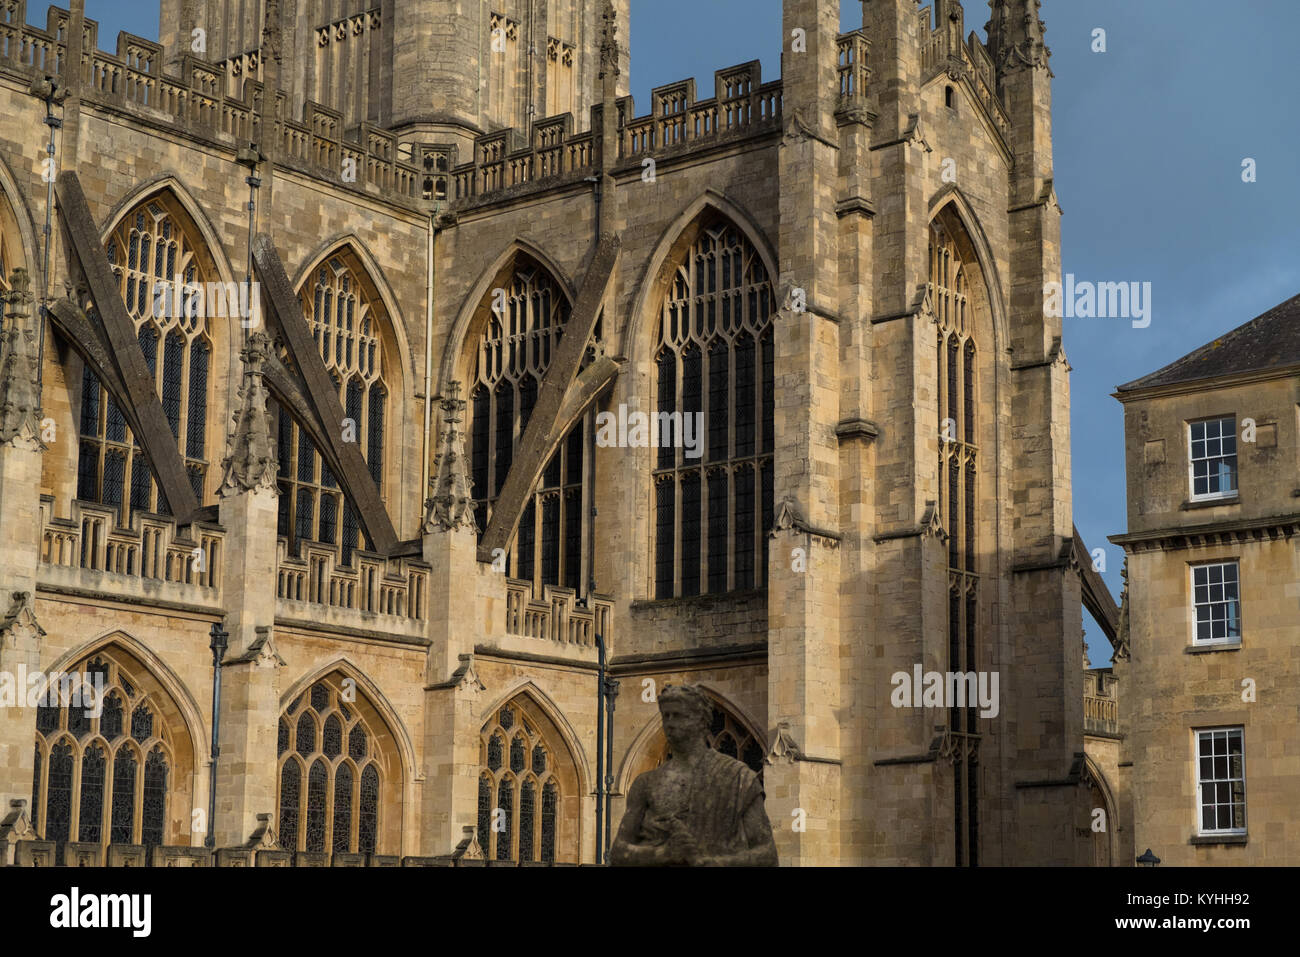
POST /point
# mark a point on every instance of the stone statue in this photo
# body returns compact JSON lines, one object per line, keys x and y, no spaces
{"x":700,"y":807}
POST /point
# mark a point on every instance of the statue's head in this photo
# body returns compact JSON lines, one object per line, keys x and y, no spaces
{"x":686,"y":713}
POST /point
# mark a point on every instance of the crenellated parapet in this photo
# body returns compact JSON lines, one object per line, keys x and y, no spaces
{"x":211,"y":101}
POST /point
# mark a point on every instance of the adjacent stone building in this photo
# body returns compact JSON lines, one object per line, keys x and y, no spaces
{"x":1210,"y":649}
{"x":387,"y":481}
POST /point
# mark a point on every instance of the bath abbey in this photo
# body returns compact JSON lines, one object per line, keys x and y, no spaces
{"x":390,"y":408}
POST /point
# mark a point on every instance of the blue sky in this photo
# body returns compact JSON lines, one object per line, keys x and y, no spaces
{"x":1150,"y":138}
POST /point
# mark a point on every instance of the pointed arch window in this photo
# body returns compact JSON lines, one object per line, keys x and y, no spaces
{"x":523,"y":332}
{"x":96,"y":780}
{"x":331,"y":798}
{"x":714,"y":376}
{"x":346,"y":317}
{"x":519,"y":795}
{"x":953,"y":277}
{"x":163,"y":274}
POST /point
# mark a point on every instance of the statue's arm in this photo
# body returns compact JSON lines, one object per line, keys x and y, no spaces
{"x":626,"y":852}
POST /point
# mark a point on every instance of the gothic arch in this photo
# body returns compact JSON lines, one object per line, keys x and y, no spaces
{"x":405,"y":749}
{"x":159,"y":723}
{"x":568,"y":736}
{"x":473,"y":310}
{"x":169,"y":681}
{"x":25,"y":227}
{"x":379,"y":287}
{"x":641,"y":755}
{"x":1111,"y":807}
{"x":211,"y":246}
{"x":638,"y":332}
{"x":542,"y":784}
{"x":952,"y":201}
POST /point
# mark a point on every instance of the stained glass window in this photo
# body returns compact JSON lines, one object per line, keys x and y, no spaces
{"x":527,"y":811}
{"x":345,"y":315}
{"x":110,"y":722}
{"x":550,"y":800}
{"x":502,"y":818}
{"x":306,"y":734}
{"x":522,"y":331}
{"x":282,"y":738}
{"x":342,"y":804}
{"x":368,"y":823}
{"x":90,"y":776}
{"x":58,"y":794}
{"x":290,"y":789}
{"x":141,"y":724}
{"x":92,"y":795}
{"x":332,"y":737}
{"x":162,"y":278}
{"x":709,"y":538}
{"x":155,"y":798}
{"x":342,"y":809}
{"x":517,"y":793}
{"x":485,"y":813}
{"x":317,"y":785}
{"x":357,"y":744}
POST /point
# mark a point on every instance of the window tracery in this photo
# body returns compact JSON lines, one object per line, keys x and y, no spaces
{"x":330,"y":799}
{"x":156,"y":256}
{"x":103,"y":778}
{"x":714,"y":361}
{"x":345,"y":320}
{"x":519,"y":790}
{"x":523,"y":331}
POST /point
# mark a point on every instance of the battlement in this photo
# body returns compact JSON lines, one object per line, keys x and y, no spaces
{"x":202,"y":100}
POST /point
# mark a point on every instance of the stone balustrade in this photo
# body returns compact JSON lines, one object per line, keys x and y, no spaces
{"x":370,"y":583}
{"x":555,"y":616}
{"x":91,"y":539}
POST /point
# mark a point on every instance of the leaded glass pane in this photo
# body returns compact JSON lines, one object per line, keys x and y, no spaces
{"x":306,"y":735}
{"x":153,"y":818}
{"x":518,"y":750}
{"x":503,"y":819}
{"x":290,"y":788}
{"x":507,"y":718}
{"x":357,"y":743}
{"x":58,"y":794}
{"x":124,"y":771}
{"x":282,"y":738}
{"x":495,"y":747}
{"x":141,"y":724}
{"x":332,"y":737}
{"x":550,"y":801}
{"x":368,"y":819}
{"x":317,"y":794}
{"x":342,"y":809}
{"x":47,"y":718}
{"x":539,"y":760}
{"x":527,"y":810}
{"x":485,"y":814}
{"x":91,"y":816}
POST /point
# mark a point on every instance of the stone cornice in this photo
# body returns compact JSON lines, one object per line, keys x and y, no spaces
{"x":1242,"y":531}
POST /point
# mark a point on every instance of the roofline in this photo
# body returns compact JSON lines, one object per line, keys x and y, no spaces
{"x":1128,"y":392}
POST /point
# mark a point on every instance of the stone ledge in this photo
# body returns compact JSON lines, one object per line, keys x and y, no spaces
{"x":1238,"y":840}
{"x":1210,"y":648}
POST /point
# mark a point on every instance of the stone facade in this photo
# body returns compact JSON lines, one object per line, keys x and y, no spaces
{"x":1201,"y":659}
{"x":894,"y":186}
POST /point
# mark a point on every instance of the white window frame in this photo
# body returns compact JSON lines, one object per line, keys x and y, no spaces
{"x":1194,"y":604}
{"x":1201,"y":782}
{"x":1192,"y":460}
